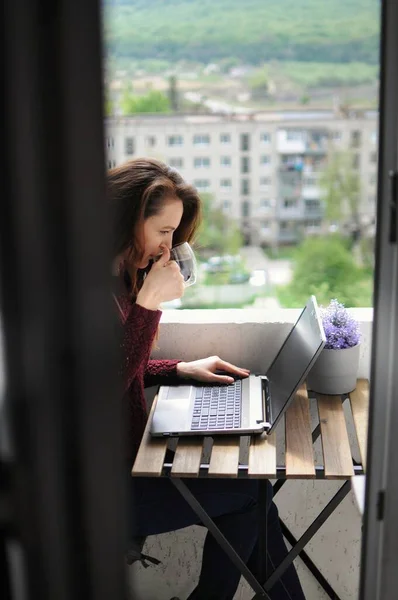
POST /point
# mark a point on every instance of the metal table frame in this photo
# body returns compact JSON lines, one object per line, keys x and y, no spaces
{"x":269,"y":579}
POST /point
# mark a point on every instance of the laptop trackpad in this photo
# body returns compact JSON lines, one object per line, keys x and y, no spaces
{"x":178,"y":392}
{"x":171,"y":416}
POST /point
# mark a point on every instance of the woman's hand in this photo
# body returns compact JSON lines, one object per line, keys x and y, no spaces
{"x":164,"y":282}
{"x":205,"y":370}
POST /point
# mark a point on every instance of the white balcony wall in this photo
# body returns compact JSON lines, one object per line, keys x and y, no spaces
{"x":289,"y":146}
{"x":311,"y":192}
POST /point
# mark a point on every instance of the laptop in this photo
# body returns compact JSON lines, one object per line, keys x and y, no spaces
{"x":251,"y":405}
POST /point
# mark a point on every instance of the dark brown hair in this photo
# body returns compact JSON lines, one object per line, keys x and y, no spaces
{"x":137,"y":190}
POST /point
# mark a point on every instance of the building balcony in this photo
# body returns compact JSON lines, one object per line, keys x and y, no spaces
{"x":286,"y":145}
{"x":319,"y":146}
{"x":251,"y":338}
{"x":313,"y":212}
{"x":290,"y":214}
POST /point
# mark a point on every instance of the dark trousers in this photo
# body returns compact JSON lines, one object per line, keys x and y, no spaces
{"x":158,"y":507}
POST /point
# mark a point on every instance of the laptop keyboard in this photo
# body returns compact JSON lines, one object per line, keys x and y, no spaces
{"x":218,"y":407}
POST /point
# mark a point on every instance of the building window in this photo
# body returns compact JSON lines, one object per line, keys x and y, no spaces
{"x":110,"y":142}
{"x":245,"y":187}
{"x":312,"y":204}
{"x":265,"y":203}
{"x":373,"y":137}
{"x":129,"y":146}
{"x":225,"y":161}
{"x":226,"y":205}
{"x":355,"y":139}
{"x":292,"y":135}
{"x":245,"y":208}
{"x":245,"y":164}
{"x":225,"y":184}
{"x":174,"y":140}
{"x":244,"y":142}
{"x":225,"y":138}
{"x":265,"y":182}
{"x":177,"y":163}
{"x":151,"y":141}
{"x":373,"y":157}
{"x":201,"y":139}
{"x":265,"y":137}
{"x":265,"y":159}
{"x":265,"y":227}
{"x":372,"y":179}
{"x":356,"y":161}
{"x":201,"y":162}
{"x":290,"y":203}
{"x":202,"y":185}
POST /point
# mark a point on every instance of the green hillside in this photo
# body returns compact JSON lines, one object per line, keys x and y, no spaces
{"x":255,"y":31}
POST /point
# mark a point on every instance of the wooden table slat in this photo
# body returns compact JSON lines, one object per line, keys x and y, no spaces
{"x":186,"y":461}
{"x":335,"y":442}
{"x":299,"y":447}
{"x":224,"y":458}
{"x":150,"y":457}
{"x":359,"y":400}
{"x":262,"y":456}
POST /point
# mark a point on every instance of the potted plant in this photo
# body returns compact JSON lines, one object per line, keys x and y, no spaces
{"x":336,"y":369}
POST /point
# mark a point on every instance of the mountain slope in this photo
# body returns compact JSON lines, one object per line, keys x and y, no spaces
{"x":252,"y":30}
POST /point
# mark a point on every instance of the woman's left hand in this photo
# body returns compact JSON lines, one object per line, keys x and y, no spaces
{"x":205,"y":370}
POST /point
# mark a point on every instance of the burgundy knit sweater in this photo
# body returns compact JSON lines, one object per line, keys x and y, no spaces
{"x":138,"y":371}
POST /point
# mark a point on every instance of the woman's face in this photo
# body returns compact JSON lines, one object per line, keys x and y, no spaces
{"x":159,"y":229}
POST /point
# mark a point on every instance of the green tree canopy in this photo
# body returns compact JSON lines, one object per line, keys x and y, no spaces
{"x":341,"y":187}
{"x":152,"y":102}
{"x":259,"y":82}
{"x":325,"y":267}
{"x":218,"y":233}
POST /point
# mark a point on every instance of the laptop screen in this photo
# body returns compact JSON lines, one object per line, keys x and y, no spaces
{"x":295,"y":358}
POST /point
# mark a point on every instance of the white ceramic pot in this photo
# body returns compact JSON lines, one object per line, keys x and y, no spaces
{"x":335,"y":371}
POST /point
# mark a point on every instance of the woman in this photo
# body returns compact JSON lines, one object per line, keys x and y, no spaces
{"x":155,"y":209}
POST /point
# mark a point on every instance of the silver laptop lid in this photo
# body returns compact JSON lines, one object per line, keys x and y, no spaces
{"x":295,"y":359}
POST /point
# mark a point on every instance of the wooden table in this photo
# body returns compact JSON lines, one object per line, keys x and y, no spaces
{"x":338,"y":463}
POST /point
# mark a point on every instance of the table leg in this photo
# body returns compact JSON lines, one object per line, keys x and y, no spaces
{"x":219,"y":537}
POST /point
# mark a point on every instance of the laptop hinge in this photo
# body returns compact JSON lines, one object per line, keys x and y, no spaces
{"x":267,"y":416}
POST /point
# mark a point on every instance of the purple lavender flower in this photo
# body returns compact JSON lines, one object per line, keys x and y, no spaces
{"x":341,"y":329}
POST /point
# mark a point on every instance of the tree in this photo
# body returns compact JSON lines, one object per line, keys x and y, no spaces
{"x":341,"y":188}
{"x":108,"y":107}
{"x":259,"y":83}
{"x":152,"y":102}
{"x":218,"y":233}
{"x":173,"y":93}
{"x":326,"y":268}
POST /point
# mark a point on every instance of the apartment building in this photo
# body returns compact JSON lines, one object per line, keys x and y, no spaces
{"x":261,"y":169}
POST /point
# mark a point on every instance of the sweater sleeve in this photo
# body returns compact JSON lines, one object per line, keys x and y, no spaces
{"x":139,"y":332}
{"x":160,"y":372}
